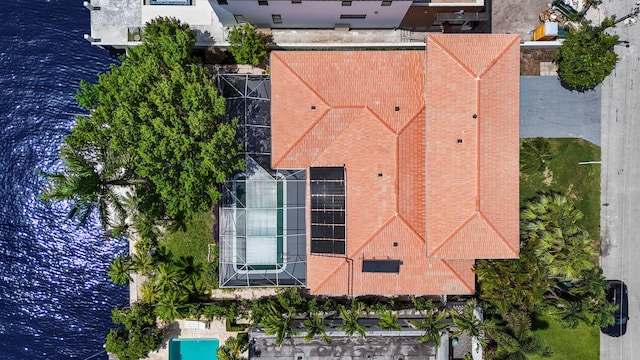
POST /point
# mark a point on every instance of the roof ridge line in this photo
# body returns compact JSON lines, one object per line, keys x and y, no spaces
{"x":375,"y":233}
{"x":499,"y":56}
{"x":349,"y":107}
{"x":314,"y":92}
{"x":455,"y":273}
{"x":296,"y":75}
{"x":302,"y":136}
{"x":330,"y":275}
{"x":358,"y":249}
{"x":377,"y":117}
{"x":396,"y":173}
{"x":352,"y":120}
{"x":415,"y":116}
{"x":478,"y":143}
{"x":406,"y":223}
{"x":498,"y":234}
{"x":451,"y":236}
{"x":453,"y":57}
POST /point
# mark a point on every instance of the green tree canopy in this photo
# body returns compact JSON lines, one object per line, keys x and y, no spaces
{"x":160,"y":107}
{"x":233,"y":348}
{"x":120,"y":270}
{"x":90,"y":181}
{"x":466,"y":321}
{"x":551,"y":224}
{"x":587,"y":56}
{"x":139,"y":335}
{"x":247,"y":45}
{"x":518,"y":341}
{"x":351,"y":319}
{"x":431,"y":323}
{"x":555,"y":272}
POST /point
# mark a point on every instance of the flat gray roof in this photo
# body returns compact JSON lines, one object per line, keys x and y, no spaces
{"x":112,"y":20}
{"x":344,"y":348}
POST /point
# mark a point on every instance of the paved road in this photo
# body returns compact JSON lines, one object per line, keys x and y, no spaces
{"x":549,"y":110}
{"x":620,"y":212}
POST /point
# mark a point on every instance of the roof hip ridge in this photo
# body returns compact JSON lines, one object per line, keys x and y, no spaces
{"x":453,"y":57}
{"x":499,"y":56}
{"x":453,"y":234}
{"x":412,"y":119}
{"x":455,"y":273}
{"x":315,"y":93}
{"x":497,"y":232}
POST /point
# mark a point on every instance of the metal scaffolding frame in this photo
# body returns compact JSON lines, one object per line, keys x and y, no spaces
{"x":262,"y":212}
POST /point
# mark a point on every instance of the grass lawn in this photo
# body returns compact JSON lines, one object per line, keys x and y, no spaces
{"x":581,"y":343}
{"x":194,"y":241}
{"x":580,"y":182}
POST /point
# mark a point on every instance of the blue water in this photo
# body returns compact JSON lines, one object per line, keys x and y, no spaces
{"x":193,"y":349}
{"x":55,"y":298}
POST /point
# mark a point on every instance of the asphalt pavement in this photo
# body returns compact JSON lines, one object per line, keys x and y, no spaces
{"x":620,"y":211}
{"x":549,"y":110}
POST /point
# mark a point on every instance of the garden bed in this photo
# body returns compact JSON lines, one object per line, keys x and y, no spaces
{"x":530,"y":59}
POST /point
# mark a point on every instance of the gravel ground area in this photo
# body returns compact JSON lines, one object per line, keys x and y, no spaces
{"x":530,"y":59}
{"x":517,"y":16}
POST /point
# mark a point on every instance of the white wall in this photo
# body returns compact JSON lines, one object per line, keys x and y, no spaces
{"x":313,"y":14}
{"x":199,"y":13}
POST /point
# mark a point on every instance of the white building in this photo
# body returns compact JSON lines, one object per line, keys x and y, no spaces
{"x":117,"y":23}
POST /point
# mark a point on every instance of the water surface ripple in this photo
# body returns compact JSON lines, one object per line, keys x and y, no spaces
{"x":55,"y":297}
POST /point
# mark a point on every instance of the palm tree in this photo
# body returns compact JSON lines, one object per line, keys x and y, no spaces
{"x":277,"y":323}
{"x":387,"y":320}
{"x":592,"y":283}
{"x":431,"y":322}
{"x":600,"y":312}
{"x":432,"y":326}
{"x":161,"y":254}
{"x":513,"y":283}
{"x":564,"y":248}
{"x":149,"y":292}
{"x":518,"y":341}
{"x":120,"y":270}
{"x":143,"y":263}
{"x":191,"y":272}
{"x":168,"y":307}
{"x":315,"y":326}
{"x":534,"y":154}
{"x":574,"y":257}
{"x":570,"y":312}
{"x":232,"y":349}
{"x":89,"y":181}
{"x":350,"y":318}
{"x":467,"y":322}
{"x":167,"y":278}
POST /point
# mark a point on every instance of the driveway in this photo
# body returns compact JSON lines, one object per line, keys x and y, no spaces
{"x":549,"y":110}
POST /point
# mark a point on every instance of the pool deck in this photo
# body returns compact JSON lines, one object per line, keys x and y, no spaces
{"x":190,"y":330}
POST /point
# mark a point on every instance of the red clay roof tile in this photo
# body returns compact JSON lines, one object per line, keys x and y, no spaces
{"x":394,"y":120}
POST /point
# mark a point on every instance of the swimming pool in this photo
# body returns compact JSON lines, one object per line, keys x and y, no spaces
{"x":193,"y":349}
{"x":261,"y":225}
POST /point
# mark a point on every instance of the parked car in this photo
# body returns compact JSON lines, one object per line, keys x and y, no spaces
{"x":617,"y":294}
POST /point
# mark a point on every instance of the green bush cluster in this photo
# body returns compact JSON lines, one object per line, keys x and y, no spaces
{"x":247,"y":45}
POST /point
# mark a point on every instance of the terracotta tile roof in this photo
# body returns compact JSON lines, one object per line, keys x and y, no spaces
{"x":413,"y":192}
{"x":471,"y":161}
